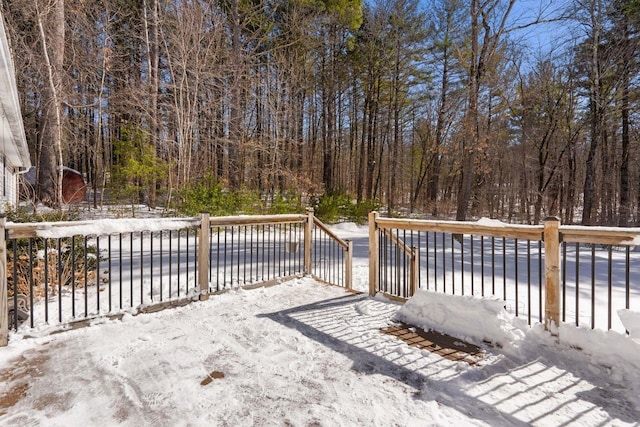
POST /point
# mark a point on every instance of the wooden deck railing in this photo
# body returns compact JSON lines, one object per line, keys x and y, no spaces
{"x":70,"y":271}
{"x":543,"y":272}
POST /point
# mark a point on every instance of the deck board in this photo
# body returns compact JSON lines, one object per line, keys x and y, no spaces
{"x":446,"y":346}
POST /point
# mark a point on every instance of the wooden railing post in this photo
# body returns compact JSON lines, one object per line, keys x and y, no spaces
{"x":415,"y":270}
{"x":307,"y":241}
{"x":552,"y":272}
{"x":348,"y":266}
{"x":374,"y":265}
{"x":4,"y":304}
{"x":203,"y":256}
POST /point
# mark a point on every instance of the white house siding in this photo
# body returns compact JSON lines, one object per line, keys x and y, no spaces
{"x":14,"y":152}
{"x":8,"y":184}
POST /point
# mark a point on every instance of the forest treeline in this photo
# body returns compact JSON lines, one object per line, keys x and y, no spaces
{"x":433,"y":107}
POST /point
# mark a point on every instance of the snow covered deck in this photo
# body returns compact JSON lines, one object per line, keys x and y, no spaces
{"x":299,"y":353}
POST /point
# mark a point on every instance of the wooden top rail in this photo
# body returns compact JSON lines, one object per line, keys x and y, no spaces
{"x":221,"y":221}
{"x":527,"y":232}
{"x":331,"y":234}
{"x":101,"y":227}
{"x":600,"y":235}
{"x":97,"y":227}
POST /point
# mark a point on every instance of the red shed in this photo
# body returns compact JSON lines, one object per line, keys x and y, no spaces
{"x":74,"y":190}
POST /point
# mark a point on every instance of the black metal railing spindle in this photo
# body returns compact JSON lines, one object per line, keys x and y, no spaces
{"x":16,"y":287}
{"x":577,"y":284}
{"x":610,"y":285}
{"x":59,"y":265}
{"x":482,"y":265}
{"x":529,"y":282}
{"x":142,"y":267}
{"x":516,"y":278}
{"x":493,"y":265}
{"x":564,"y":282}
{"x":97,"y":275}
{"x":593,"y":286}
{"x":86,"y":277}
{"x":31,"y":282}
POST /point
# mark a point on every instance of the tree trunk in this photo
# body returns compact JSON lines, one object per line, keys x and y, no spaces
{"x":235,"y":119}
{"x":50,"y":167}
{"x":624,"y":210}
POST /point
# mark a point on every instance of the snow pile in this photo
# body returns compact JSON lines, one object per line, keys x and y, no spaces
{"x":616,"y":352}
{"x":471,"y":318}
{"x":348,"y":227}
{"x":606,"y":348}
{"x":631,"y":321}
{"x":488,"y":222}
{"x":350,"y":230}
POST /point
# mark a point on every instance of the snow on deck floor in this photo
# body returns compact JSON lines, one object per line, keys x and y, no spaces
{"x":299,"y":353}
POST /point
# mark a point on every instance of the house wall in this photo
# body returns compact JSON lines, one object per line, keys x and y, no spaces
{"x":8,"y":184}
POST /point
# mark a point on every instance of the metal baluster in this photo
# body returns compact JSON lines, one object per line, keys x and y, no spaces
{"x":119,"y":268}
{"x":109,"y":274}
{"x":444,"y":265}
{"x":218,"y":261}
{"x":263,"y":253}
{"x":593,"y":286}
{"x":15,"y":283}
{"x":231,"y":256}
{"x":627,"y":288}
{"x":516,"y":267}
{"x":178,"y":266}
{"x":493,"y":265}
{"x":462,"y":261}
{"x":482,"y":265}
{"x":97,"y":276}
{"x":151,"y":265}
{"x":380,"y":248}
{"x":564,"y":282}
{"x":540,"y":279}
{"x":384,"y":251}
{"x":161,"y":267}
{"x":405,"y":285}
{"x":238,"y":258}
{"x":473,"y":267}
{"x":435,"y":262}
{"x":224,"y":262}
{"x":46,"y":281}
{"x":14,"y":243}
{"x":453,"y":265}
{"x":195,"y":258}
{"x":86,"y":279}
{"x":244,"y":256}
{"x":504,"y":268}
{"x":529,"y":282}
{"x":31,"y":282}
{"x":251,"y":253}
{"x":186,"y":267}
{"x":419,"y":252}
{"x":170,"y":263}
{"x":142,"y":267}
{"x":577,"y":282}
{"x":610,"y":287}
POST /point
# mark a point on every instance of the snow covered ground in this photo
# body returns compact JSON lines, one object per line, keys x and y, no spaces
{"x":302,"y":353}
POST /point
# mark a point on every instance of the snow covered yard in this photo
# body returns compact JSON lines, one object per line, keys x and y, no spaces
{"x":299,"y":353}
